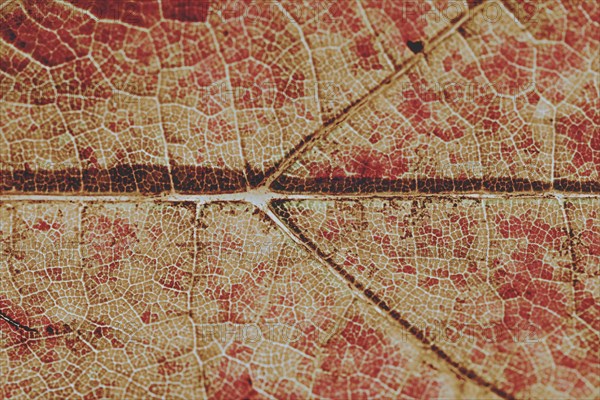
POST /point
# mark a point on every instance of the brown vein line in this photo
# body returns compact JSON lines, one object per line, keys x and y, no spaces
{"x":16,"y":324}
{"x":253,"y":196}
{"x":308,"y":142}
{"x":277,"y":213}
{"x":516,"y":12}
{"x":571,"y":240}
{"x":420,"y":195}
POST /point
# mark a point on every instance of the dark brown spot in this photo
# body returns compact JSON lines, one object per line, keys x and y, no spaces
{"x":415,"y":47}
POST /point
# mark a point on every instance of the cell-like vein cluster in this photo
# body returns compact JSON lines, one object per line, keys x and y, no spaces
{"x":299,"y":199}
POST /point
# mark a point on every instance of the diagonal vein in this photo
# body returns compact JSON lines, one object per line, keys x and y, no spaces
{"x":15,"y":323}
{"x":310,"y":140}
{"x":364,"y":292}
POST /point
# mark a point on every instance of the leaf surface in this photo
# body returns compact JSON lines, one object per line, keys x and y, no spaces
{"x":299,"y":199}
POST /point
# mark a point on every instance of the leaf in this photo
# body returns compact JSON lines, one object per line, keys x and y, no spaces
{"x":358,"y":199}
{"x":491,"y":283}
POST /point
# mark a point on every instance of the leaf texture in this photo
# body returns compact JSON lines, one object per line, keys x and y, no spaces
{"x":491,"y":283}
{"x":299,"y":199}
{"x":209,"y":301}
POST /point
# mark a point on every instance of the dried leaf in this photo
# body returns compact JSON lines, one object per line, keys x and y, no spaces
{"x":299,"y":199}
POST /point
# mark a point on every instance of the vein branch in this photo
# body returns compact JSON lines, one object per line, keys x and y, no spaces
{"x":364,"y":292}
{"x":353,"y":108}
{"x":16,"y":324}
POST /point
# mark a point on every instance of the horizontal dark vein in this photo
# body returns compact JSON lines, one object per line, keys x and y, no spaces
{"x":430,"y":185}
{"x":153,"y":181}
{"x":252,"y":197}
